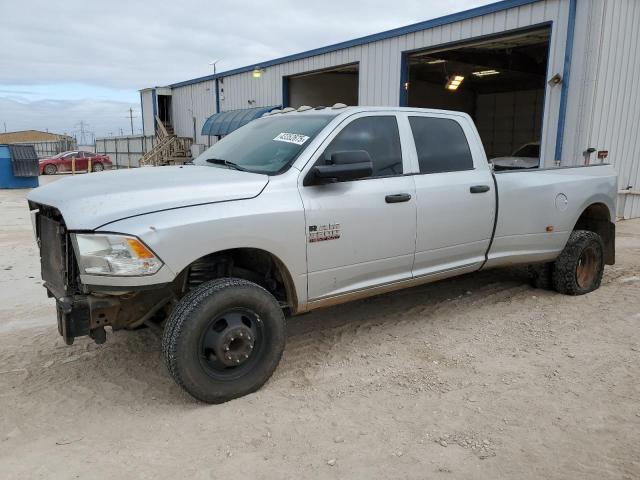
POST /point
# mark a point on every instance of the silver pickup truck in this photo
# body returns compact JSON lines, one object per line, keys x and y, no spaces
{"x":300,"y":210}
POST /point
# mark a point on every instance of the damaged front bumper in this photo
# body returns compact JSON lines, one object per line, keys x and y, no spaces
{"x":82,"y":315}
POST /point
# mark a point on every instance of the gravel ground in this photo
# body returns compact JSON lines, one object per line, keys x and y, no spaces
{"x":475,"y":377}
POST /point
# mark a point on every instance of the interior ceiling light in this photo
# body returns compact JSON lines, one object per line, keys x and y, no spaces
{"x":484,"y":73}
{"x":454,"y":82}
{"x":436,"y":61}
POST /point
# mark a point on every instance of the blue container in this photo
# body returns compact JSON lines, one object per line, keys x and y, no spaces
{"x":7,"y":177}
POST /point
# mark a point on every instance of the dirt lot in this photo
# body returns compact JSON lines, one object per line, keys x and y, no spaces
{"x":476,"y":377}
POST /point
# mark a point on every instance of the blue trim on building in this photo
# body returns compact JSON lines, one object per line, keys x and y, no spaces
{"x":404,"y":78}
{"x":566,"y":72}
{"x":155,"y":110}
{"x":285,"y":92}
{"x":396,"y":32}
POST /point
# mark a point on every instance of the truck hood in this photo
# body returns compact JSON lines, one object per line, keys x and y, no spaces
{"x":92,"y":200}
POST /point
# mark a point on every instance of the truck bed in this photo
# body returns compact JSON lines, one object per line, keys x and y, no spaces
{"x":538,"y":208}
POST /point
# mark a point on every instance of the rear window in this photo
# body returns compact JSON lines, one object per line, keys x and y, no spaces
{"x":441,"y":145}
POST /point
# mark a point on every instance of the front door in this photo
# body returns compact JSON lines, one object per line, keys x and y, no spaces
{"x":361,"y":233}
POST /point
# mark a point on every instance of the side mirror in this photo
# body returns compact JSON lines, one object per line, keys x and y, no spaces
{"x":343,"y":166}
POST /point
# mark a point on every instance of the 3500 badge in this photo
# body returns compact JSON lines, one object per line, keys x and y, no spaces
{"x":321,"y":233}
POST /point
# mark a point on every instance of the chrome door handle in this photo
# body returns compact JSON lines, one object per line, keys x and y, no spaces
{"x":397,"y":198}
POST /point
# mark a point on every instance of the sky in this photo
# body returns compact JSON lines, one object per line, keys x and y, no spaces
{"x":69,"y":61}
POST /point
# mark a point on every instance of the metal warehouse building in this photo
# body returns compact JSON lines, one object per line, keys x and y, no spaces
{"x":561,"y":74}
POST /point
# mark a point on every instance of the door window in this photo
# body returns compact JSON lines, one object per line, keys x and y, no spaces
{"x":378,"y":136}
{"x":441,"y":145}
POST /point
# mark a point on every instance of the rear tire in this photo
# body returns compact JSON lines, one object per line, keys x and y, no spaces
{"x":97,"y":167}
{"x":50,"y":169}
{"x":224,"y":339}
{"x":579,"y":268}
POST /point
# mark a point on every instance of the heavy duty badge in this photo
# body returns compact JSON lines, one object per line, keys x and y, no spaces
{"x":320,"y":233}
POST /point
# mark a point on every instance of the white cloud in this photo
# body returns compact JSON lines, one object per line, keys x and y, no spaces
{"x":135,"y":44}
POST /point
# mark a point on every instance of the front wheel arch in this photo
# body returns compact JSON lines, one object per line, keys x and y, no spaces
{"x":253,"y":263}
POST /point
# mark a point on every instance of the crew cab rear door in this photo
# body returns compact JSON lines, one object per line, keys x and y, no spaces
{"x":360,"y":233}
{"x":455,"y":194}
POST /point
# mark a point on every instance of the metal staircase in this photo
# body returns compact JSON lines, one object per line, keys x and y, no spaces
{"x":169,"y":148}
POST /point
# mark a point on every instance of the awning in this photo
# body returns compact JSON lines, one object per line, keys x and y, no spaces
{"x":224,"y":123}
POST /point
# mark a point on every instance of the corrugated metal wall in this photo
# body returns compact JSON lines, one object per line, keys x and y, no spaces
{"x":603,"y":105}
{"x":125,"y":152}
{"x":604,"y":100}
{"x":146,"y":98}
{"x":197,"y":100}
{"x":379,"y":62}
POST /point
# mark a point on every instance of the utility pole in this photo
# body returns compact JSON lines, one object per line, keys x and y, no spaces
{"x":131,"y":118}
{"x":5,"y":127}
{"x":214,"y":65}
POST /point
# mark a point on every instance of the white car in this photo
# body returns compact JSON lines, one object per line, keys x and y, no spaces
{"x":527,"y":156}
{"x":301,"y":210}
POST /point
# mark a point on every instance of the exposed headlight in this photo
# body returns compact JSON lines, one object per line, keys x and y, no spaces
{"x":117,"y":255}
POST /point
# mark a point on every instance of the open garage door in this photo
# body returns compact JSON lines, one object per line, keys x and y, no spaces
{"x":499,"y":82}
{"x":324,"y":87}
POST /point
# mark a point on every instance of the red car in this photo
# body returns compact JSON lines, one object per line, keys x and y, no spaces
{"x":62,"y":162}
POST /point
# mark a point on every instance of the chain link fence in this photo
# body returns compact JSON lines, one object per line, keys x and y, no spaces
{"x":50,"y":148}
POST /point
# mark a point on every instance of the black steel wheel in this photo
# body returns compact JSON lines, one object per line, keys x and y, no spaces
{"x":580,"y":266}
{"x":224,"y":339}
{"x":230,"y":343}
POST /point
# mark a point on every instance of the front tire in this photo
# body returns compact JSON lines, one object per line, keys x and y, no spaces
{"x":579,"y":268}
{"x":50,"y":169}
{"x":97,"y":167}
{"x":224,"y":339}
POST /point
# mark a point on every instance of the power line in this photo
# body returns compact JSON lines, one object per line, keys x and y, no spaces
{"x":82,"y":129}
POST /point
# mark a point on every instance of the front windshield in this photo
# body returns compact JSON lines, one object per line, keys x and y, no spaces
{"x":530,"y":151}
{"x":268,"y":145}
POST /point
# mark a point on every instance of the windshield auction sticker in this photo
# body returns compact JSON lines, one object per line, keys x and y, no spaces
{"x":296,"y":138}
